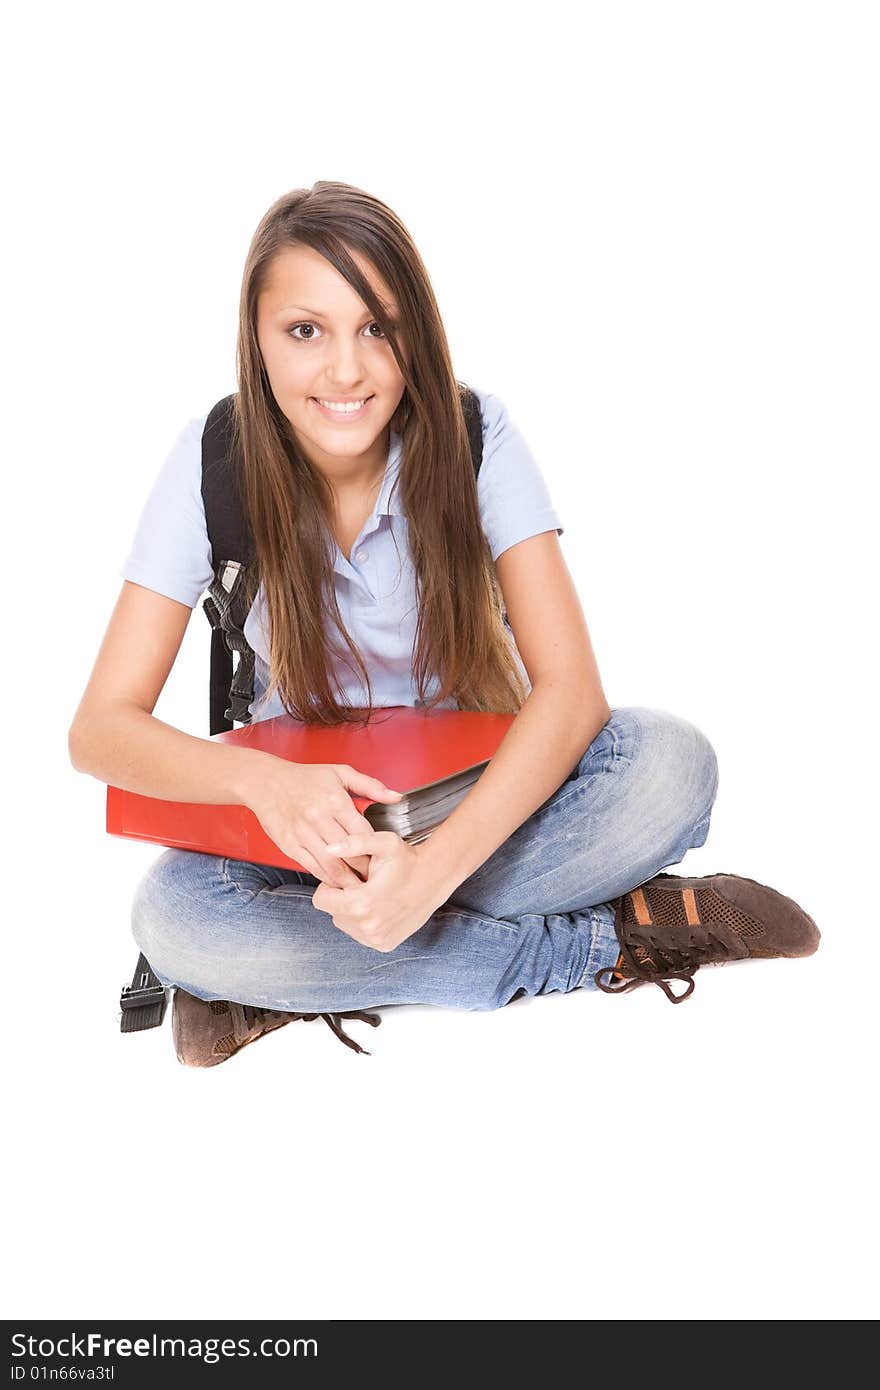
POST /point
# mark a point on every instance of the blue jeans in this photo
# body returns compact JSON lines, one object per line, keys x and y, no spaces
{"x":536,"y":917}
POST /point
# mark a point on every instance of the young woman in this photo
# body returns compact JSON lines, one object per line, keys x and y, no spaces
{"x":382,"y":565}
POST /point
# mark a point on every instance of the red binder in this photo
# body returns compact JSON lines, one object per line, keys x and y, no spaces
{"x":404,"y":746}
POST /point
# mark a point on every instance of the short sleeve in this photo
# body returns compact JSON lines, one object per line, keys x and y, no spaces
{"x":171,"y":552}
{"x":514,"y":499}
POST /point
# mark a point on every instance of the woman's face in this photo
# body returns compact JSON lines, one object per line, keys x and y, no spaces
{"x":319,"y":342}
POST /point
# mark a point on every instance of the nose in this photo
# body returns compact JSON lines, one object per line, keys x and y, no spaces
{"x":345,"y":368}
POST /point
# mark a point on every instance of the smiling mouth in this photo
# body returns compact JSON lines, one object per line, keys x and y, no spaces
{"x":341,"y":410}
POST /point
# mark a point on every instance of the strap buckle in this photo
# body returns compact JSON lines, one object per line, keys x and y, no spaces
{"x":144,"y":1001}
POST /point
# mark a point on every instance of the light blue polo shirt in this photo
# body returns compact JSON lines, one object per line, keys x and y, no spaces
{"x":375,"y":589}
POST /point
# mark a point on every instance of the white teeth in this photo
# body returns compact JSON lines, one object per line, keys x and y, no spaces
{"x":342,"y":407}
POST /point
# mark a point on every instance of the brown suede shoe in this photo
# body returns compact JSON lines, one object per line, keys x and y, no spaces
{"x":209,"y":1031}
{"x":671,"y":925}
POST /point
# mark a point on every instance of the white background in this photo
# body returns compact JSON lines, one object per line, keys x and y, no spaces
{"x":652,"y":230}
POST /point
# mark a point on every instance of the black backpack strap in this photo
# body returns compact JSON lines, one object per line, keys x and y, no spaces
{"x":144,"y":1001}
{"x":473,"y":419}
{"x":232,"y":552}
{"x":227,"y":608}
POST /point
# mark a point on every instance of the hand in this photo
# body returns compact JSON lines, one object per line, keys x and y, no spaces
{"x":397,"y":898}
{"x":303,"y":806}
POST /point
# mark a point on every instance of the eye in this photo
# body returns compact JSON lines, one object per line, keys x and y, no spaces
{"x":292,"y":332}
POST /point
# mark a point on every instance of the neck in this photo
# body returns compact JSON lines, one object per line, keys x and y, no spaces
{"x":356,"y":478}
{"x":354,"y":488}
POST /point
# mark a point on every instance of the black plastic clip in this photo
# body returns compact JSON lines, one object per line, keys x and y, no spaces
{"x":144,"y":1001}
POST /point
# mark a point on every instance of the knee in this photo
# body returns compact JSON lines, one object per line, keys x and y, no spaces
{"x":194,"y":919}
{"x":168,"y":903}
{"x":678,"y":764}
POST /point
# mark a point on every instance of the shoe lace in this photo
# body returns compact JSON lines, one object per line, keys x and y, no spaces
{"x":658,"y":954}
{"x":249,"y":1021}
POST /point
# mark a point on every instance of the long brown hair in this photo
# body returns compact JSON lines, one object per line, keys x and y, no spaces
{"x":460,"y":636}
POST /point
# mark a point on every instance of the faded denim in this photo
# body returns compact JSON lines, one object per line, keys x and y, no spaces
{"x":536,"y":917}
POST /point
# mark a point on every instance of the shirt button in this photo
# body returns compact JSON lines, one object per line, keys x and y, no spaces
{"x":361,"y":556}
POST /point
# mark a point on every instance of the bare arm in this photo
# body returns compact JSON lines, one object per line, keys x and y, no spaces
{"x":564,"y":712}
{"x":552,"y":731}
{"x":115,"y":736}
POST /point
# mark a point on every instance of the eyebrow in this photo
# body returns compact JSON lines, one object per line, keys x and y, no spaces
{"x":316,"y":313}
